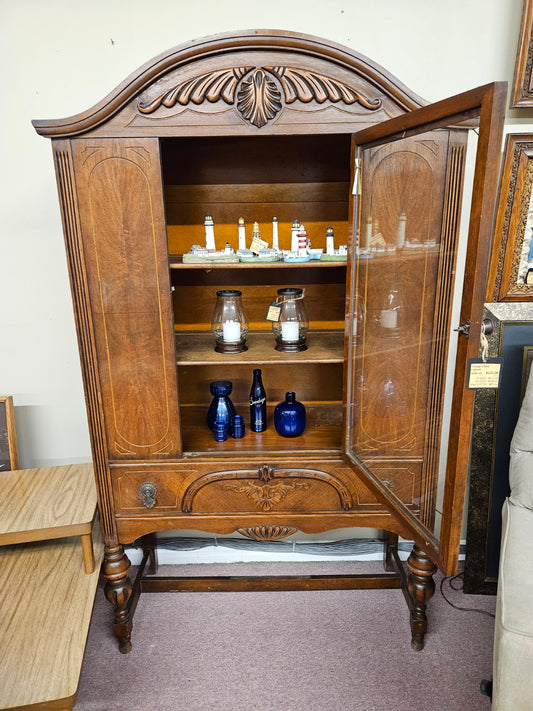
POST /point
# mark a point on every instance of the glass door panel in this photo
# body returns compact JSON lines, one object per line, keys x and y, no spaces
{"x":417,"y":222}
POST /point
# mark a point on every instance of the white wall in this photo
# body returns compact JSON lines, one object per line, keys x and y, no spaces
{"x":60,"y":57}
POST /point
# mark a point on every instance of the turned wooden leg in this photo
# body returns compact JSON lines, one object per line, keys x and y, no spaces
{"x":118,"y":591}
{"x":421,"y":586}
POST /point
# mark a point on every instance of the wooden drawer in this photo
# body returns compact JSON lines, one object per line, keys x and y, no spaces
{"x":200,"y":487}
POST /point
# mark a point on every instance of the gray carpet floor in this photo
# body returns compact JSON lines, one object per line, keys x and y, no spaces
{"x":289,"y":651}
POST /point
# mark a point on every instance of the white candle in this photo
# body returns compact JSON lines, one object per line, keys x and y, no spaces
{"x":400,"y":241}
{"x":389,"y":318}
{"x":290,"y":330}
{"x":231,"y":331}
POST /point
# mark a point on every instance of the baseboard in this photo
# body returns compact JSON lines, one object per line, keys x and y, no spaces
{"x":187,"y":551}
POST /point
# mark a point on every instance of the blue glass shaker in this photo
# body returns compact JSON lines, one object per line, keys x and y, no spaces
{"x":221,"y":410}
{"x":237,"y":427}
{"x":289,"y":416}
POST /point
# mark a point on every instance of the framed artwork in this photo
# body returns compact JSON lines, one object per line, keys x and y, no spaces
{"x":522,"y":92}
{"x":8,"y":439}
{"x":511,"y":270}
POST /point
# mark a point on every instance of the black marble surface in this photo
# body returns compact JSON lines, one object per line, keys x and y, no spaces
{"x":495,"y":416}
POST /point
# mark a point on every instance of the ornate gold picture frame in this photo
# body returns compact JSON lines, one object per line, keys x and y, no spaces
{"x":522,"y":92}
{"x":8,"y":439}
{"x":511,"y":270}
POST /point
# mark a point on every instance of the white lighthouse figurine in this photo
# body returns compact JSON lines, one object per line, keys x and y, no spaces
{"x":242,"y":234}
{"x":330,"y":241}
{"x":209,"y":233}
{"x":275,"y":234}
{"x":295,"y":229}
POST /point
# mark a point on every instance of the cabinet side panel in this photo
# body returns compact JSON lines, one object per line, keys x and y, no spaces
{"x":82,"y":314}
{"x":126,"y":258}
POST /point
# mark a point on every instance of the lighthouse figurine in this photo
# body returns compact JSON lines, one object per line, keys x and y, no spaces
{"x":294,"y":235}
{"x":209,"y":233}
{"x":242,"y":234}
{"x":275,"y":234}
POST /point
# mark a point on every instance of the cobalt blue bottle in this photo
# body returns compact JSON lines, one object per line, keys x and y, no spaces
{"x":289,"y":417}
{"x":221,"y":410}
{"x":258,"y":406}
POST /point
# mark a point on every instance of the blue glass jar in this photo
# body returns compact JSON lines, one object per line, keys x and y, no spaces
{"x":221,"y":409}
{"x":221,"y":432}
{"x":289,"y":416}
{"x":237,"y":427}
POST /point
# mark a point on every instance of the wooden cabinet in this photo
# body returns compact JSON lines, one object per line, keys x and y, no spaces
{"x":259,"y":125}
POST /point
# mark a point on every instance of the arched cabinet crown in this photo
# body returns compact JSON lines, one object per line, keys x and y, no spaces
{"x":257,"y":81}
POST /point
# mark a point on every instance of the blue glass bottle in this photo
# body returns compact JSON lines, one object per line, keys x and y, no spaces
{"x":221,"y":409}
{"x":289,"y":416}
{"x":258,"y":407}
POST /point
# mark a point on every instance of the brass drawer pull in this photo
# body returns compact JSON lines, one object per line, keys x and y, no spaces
{"x":148,"y":493}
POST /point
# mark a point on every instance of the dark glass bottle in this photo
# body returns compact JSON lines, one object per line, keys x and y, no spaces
{"x":258,"y":407}
{"x":289,"y":416}
{"x":221,"y":409}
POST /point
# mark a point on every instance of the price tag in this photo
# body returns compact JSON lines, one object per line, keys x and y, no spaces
{"x":258,"y":244}
{"x":484,"y":375}
{"x":273,"y":312}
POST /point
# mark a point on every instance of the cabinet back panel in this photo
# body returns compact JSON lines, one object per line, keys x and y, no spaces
{"x":298,"y":177}
{"x":315,"y":205}
{"x":259,"y":159}
{"x":311,"y":383}
{"x":194,"y":303}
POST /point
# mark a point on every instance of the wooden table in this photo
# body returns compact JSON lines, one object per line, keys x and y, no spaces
{"x":49,"y":503}
{"x":46,"y":600}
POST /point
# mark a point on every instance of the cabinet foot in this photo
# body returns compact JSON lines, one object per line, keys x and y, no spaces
{"x":420,"y":586}
{"x":118,"y":590}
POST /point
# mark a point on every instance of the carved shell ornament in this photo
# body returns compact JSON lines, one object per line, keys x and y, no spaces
{"x":256,"y":93}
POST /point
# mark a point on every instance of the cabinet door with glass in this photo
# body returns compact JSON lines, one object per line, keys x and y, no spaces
{"x":416,"y":322}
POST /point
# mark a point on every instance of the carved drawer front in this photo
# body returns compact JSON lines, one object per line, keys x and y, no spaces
{"x":267,"y":489}
{"x":202,"y":488}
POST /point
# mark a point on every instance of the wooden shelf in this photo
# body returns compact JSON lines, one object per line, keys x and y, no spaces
{"x":47,"y":601}
{"x":322,"y":435}
{"x":194,"y":348}
{"x":176,"y":262}
{"x":48,"y":503}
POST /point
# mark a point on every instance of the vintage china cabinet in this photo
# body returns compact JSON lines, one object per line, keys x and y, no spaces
{"x":255,"y":125}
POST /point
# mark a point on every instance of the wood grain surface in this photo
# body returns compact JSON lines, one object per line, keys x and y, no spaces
{"x":46,"y":601}
{"x":48,"y":502}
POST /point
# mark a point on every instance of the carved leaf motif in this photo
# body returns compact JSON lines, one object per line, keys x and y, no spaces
{"x":258,"y":96}
{"x":258,"y":99}
{"x":266,"y":496}
{"x":306,"y":86}
{"x":267,"y":533}
{"x":211,"y":87}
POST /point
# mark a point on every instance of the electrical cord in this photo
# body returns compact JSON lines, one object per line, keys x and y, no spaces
{"x":452,"y":580}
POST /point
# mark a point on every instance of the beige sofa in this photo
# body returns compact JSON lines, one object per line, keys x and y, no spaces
{"x":512,"y":688}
